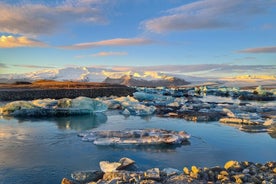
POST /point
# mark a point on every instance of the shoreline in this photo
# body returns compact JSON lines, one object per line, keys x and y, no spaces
{"x":126,"y":171}
{"x":58,"y":90}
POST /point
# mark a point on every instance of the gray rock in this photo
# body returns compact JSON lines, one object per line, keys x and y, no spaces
{"x":125,"y":162}
{"x":170,"y":171}
{"x":245,"y":171}
{"x":87,"y":176}
{"x":153,"y":174}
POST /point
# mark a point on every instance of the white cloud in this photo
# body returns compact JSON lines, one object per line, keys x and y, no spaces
{"x":207,"y":14}
{"x":12,"y":42}
{"x":37,"y":19}
{"x":259,"y":50}
{"x":111,"y":42}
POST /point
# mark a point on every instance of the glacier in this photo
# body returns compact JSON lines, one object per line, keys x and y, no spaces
{"x":52,"y":107}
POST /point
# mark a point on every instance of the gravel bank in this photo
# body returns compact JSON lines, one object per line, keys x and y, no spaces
{"x":122,"y":172}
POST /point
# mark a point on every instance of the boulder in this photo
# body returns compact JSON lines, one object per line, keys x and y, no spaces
{"x":107,"y":166}
{"x":125,"y":162}
{"x":67,"y":181}
{"x":153,"y":174}
{"x":233,"y":165}
{"x":170,"y":172}
{"x":87,"y":176}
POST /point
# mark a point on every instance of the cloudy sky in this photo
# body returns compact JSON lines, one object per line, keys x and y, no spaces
{"x":42,"y":34}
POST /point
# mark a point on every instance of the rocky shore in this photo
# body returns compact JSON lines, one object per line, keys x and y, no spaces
{"x":126,"y":171}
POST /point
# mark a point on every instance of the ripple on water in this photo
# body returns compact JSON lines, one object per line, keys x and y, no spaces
{"x":34,"y":150}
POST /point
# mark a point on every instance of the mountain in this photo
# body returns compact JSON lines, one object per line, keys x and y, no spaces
{"x":97,"y":74}
{"x":160,"y":75}
{"x":129,"y":80}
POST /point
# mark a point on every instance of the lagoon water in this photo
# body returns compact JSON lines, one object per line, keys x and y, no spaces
{"x":48,"y":149}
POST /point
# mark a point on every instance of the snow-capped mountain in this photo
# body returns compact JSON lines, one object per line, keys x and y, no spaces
{"x":97,"y":74}
{"x":133,"y":75}
{"x":129,"y":80}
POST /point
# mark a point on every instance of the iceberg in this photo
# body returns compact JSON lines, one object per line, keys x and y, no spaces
{"x":52,"y":107}
{"x":142,"y":96}
{"x":130,"y":106}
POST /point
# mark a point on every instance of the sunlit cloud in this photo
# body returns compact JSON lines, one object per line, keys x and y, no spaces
{"x":259,"y":50}
{"x":37,"y":19}
{"x":103,"y":54}
{"x":111,"y":42}
{"x":207,"y":14}
{"x":12,"y":42}
{"x":34,"y":66}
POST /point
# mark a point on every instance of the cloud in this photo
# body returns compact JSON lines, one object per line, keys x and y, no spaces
{"x":41,"y":19}
{"x":34,"y":66}
{"x":111,"y":42}
{"x":12,"y":42}
{"x":102,"y":54}
{"x":207,"y":14}
{"x":2,"y":65}
{"x":259,"y":50}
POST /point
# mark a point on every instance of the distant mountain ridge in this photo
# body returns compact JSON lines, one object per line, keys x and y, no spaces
{"x":97,"y":74}
{"x":129,"y":80}
{"x":159,"y":74}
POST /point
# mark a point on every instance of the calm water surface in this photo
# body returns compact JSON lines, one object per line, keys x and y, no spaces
{"x":46,"y":150}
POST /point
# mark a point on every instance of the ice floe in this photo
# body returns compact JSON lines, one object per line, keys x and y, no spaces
{"x":135,"y":137}
{"x":130,"y":106}
{"x":52,"y":107}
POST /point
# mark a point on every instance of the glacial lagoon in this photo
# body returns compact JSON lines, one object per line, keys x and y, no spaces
{"x":44,"y":150}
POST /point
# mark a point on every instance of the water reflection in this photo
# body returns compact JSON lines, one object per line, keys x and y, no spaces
{"x":146,"y":118}
{"x":255,"y":129}
{"x":81,"y":122}
{"x":161,"y":148}
{"x":272,"y":134}
{"x":78,"y":123}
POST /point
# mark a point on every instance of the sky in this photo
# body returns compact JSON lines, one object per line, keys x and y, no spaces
{"x":43,"y":34}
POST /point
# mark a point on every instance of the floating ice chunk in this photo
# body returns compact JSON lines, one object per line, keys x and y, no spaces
{"x":141,"y":110}
{"x":173,"y":104}
{"x":126,"y":99}
{"x":126,"y":112}
{"x":136,"y":137}
{"x":130,"y":106}
{"x":260,"y":91}
{"x":45,"y":107}
{"x":141,"y":96}
{"x":14,"y":107}
{"x":89,"y":104}
{"x":269,"y":122}
{"x":112,"y":104}
{"x":228,"y":112}
{"x":45,"y":103}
